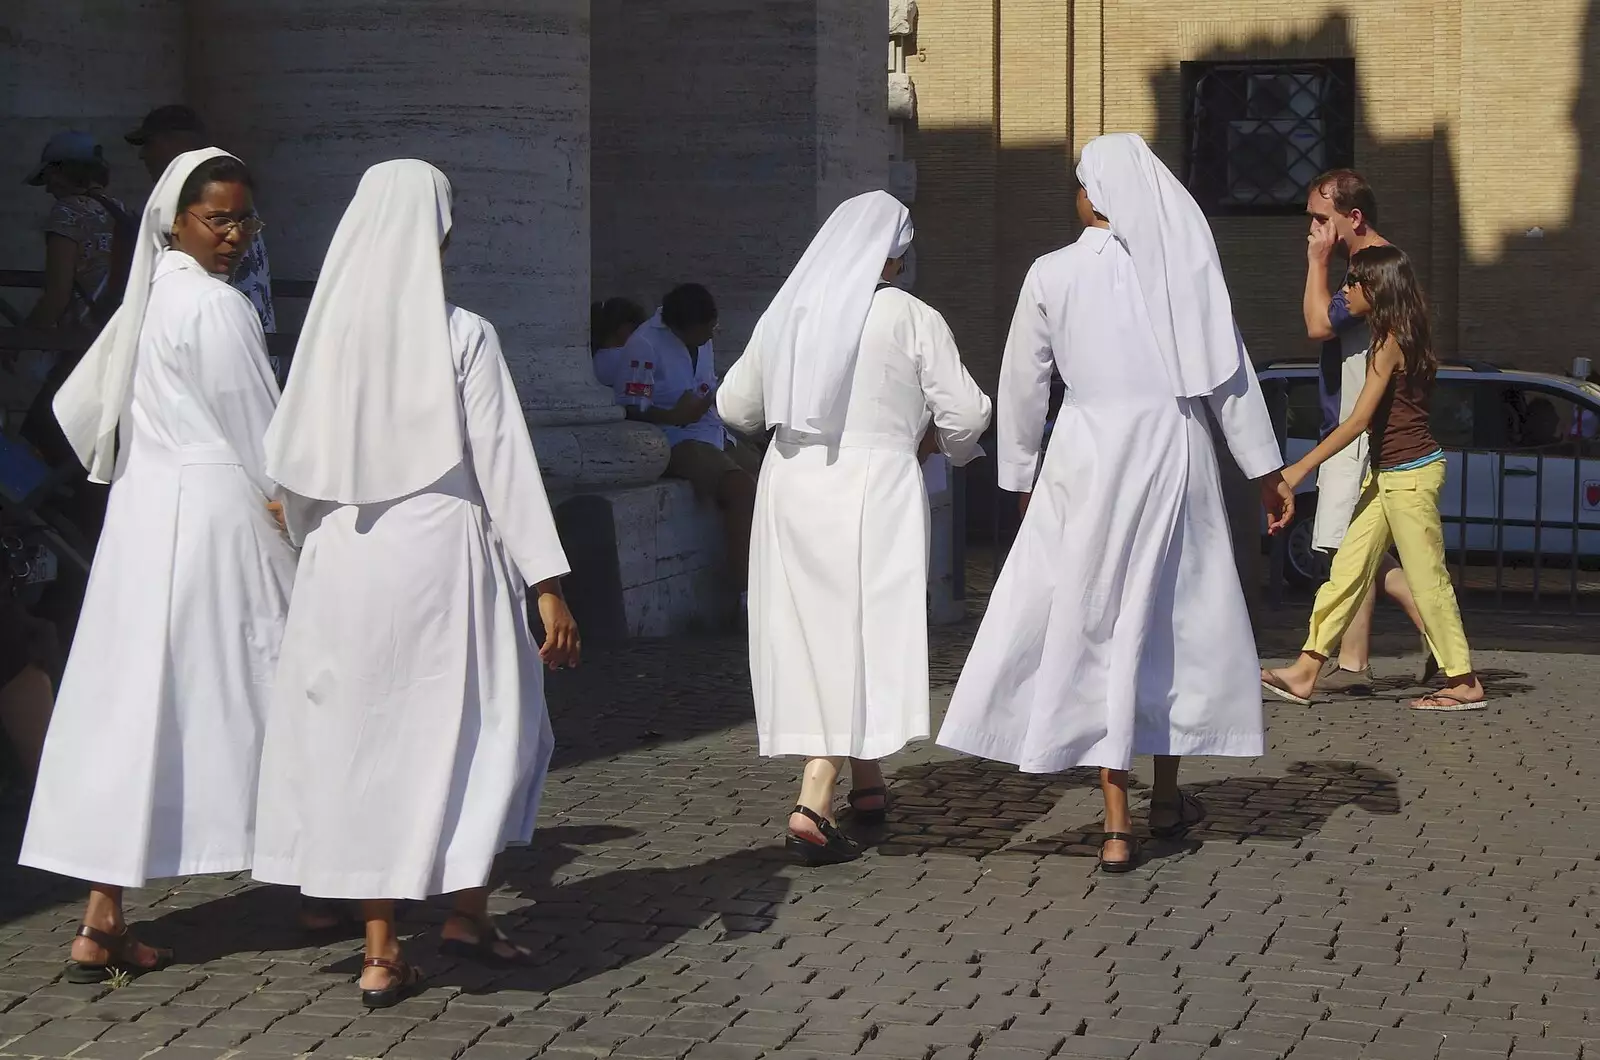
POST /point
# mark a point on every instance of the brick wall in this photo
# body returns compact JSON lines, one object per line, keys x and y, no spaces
{"x":1476,"y":122}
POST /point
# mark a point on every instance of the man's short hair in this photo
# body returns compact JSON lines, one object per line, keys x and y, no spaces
{"x":688,"y":305}
{"x":1349,"y":191}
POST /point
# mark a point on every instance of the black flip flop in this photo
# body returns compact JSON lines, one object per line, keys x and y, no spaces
{"x":1185,"y":821}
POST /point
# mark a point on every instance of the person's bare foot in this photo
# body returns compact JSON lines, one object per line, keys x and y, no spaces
{"x":1290,"y":681}
{"x":1116,"y":851}
{"x":802,"y":826}
{"x":1463,"y":693}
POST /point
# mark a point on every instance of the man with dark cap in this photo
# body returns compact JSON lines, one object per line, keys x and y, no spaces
{"x":168,"y":132}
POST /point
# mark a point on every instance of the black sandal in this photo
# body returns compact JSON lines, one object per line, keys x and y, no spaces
{"x":869,"y":818}
{"x":407,"y":983}
{"x":1135,"y":849}
{"x":483,"y":951}
{"x":117,"y":962}
{"x":837,"y":849}
{"x":346,"y":925}
{"x":1185,"y":820}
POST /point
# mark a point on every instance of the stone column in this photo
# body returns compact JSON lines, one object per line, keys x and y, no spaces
{"x":493,"y":92}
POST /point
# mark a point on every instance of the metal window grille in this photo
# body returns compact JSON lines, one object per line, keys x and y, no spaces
{"x":1258,"y":133}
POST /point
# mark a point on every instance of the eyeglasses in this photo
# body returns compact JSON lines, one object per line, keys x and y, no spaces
{"x":224,"y":227}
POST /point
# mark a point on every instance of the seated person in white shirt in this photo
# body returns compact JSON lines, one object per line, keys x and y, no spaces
{"x":677,"y":343}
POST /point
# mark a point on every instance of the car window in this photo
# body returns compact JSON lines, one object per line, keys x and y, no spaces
{"x":1304,"y":408}
{"x":1452,"y":417}
{"x":1538,"y":420}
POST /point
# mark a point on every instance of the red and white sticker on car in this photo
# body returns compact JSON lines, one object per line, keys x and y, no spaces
{"x":1591,"y":493}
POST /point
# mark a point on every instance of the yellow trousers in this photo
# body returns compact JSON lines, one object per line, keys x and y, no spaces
{"x":1399,"y":507}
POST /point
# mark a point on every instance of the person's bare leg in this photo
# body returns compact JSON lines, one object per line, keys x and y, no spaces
{"x":737,"y":494}
{"x":469,"y":919}
{"x":1355,"y":649}
{"x":25,"y":706}
{"x":866,"y":773}
{"x":1114,"y":786}
{"x":382,"y":941}
{"x":104,"y":913}
{"x":816,"y":795}
{"x":1165,"y":809}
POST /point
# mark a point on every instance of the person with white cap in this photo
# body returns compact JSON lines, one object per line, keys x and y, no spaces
{"x":149,"y":766}
{"x":79,"y":233}
{"x":409,"y":739}
{"x":853,"y":374}
{"x":1118,"y":626}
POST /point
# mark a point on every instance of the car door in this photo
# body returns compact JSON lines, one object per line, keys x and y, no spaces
{"x":1550,"y":474}
{"x":1469,"y":488}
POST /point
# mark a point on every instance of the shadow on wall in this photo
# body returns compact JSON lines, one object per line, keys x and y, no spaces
{"x":1533,"y":303}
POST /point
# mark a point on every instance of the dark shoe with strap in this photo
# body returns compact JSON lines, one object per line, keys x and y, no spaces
{"x":1135,"y":850}
{"x":485,"y":949}
{"x":118,"y":960}
{"x":836,"y":849}
{"x":406,"y":981}
{"x":1191,"y":811}
{"x":873,"y":818}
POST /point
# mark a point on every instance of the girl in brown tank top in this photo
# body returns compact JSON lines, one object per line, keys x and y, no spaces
{"x":1399,"y":502}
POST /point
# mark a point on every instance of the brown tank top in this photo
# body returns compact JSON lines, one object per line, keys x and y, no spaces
{"x":1399,"y":429}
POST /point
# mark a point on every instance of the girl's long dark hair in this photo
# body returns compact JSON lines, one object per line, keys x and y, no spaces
{"x":1399,"y":310}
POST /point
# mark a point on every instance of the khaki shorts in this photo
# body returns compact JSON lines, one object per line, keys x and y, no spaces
{"x":704,"y":466}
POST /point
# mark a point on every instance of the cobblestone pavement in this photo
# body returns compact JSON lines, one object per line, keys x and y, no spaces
{"x":1381,"y":885}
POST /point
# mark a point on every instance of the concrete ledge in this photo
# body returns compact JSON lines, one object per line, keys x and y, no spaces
{"x":647,"y":561}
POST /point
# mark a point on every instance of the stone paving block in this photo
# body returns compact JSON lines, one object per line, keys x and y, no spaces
{"x":1101,"y":1048}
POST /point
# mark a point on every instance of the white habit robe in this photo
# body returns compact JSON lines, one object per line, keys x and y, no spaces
{"x":149,"y":767}
{"x":839,"y":546}
{"x":1118,"y":626}
{"x":409,"y":739}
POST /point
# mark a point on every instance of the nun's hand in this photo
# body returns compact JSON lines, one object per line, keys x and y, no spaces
{"x":929,"y":444}
{"x":275,"y":509}
{"x":561,"y":647}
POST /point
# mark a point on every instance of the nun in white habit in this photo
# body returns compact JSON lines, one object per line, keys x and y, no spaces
{"x":149,"y":767}
{"x":409,"y":740}
{"x":850,"y":372}
{"x":1118,"y":626}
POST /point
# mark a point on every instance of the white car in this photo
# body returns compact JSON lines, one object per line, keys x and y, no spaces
{"x":1522,"y":452}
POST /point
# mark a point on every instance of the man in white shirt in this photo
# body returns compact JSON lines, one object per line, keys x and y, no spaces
{"x":676,"y":342}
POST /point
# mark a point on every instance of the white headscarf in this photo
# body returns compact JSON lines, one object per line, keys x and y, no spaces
{"x":371,"y":411}
{"x":810,"y":335}
{"x":1174,"y":255}
{"x":93,"y":398}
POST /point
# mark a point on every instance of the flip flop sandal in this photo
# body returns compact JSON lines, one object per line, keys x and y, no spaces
{"x":1135,"y":852}
{"x":869,"y":818}
{"x":1446,"y":703}
{"x":117,"y":961}
{"x":484,"y":949}
{"x":407,"y":983}
{"x":1191,"y":811}
{"x":1272,"y":684}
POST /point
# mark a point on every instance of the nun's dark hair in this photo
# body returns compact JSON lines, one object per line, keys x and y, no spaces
{"x":224,"y":169}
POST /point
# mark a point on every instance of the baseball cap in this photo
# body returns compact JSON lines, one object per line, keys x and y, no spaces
{"x":175,"y":117}
{"x":66,"y":146}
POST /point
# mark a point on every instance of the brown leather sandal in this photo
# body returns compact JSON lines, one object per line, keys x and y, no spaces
{"x":117,"y":959}
{"x":407,"y":982}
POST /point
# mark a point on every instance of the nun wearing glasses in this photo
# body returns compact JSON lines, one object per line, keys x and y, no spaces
{"x":150,"y":763}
